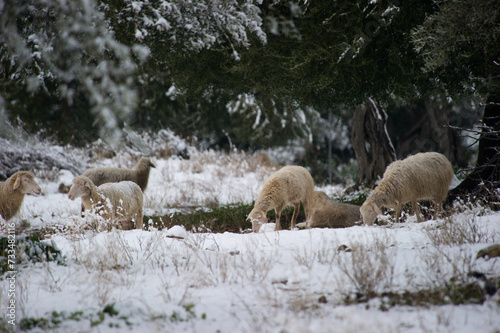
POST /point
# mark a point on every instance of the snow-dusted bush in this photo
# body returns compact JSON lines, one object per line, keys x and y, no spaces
{"x":23,"y":152}
{"x":68,"y":45}
{"x":195,"y":25}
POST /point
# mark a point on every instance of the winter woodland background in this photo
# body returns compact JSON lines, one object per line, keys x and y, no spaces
{"x":342,"y":88}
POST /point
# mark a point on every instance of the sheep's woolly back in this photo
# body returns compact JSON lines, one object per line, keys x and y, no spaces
{"x":138,"y":175}
{"x":326,"y":213}
{"x":291,"y":184}
{"x":11,"y":199}
{"x":120,"y":201}
{"x":424,"y":176}
{"x":126,"y":195}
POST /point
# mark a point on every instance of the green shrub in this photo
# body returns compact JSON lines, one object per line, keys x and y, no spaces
{"x":228,"y":218}
{"x":28,"y":248}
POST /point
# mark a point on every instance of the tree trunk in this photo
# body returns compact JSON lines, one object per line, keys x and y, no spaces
{"x":482,"y":184}
{"x":371,"y":143}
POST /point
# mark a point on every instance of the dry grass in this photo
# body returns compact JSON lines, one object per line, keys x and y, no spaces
{"x":369,"y":267}
{"x":112,"y":253}
{"x":214,"y":267}
{"x":458,"y":230}
{"x":443,"y":266}
{"x":325,"y":252}
{"x":112,"y":261}
{"x":172,"y":292}
{"x":212,"y":174}
{"x":255,"y":265}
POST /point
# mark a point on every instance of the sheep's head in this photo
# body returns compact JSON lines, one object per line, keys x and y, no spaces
{"x":369,"y":211}
{"x":257,"y":218}
{"x":81,"y":187}
{"x":25,"y":182}
{"x":145,"y":162}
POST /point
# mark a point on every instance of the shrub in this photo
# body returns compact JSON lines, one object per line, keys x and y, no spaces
{"x":29,"y":248}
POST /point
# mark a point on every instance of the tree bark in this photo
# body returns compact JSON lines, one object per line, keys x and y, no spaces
{"x":482,"y":184}
{"x":371,"y":143}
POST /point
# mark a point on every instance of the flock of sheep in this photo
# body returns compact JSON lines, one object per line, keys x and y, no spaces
{"x":113,"y":193}
{"x":116,"y":193}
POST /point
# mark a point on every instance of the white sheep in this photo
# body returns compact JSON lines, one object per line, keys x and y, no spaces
{"x":139,"y":174}
{"x":12,"y":192}
{"x":424,"y":176}
{"x":288,"y":186}
{"x":120,"y":202}
{"x":326,"y":213}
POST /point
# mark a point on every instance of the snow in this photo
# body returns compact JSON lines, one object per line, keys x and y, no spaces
{"x":177,"y":280}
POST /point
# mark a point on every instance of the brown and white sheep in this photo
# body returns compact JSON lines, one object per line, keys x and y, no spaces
{"x":139,"y":174}
{"x":12,"y":192}
{"x":288,"y":186}
{"x":118,"y":202}
{"x":327,"y":213}
{"x":424,"y":176}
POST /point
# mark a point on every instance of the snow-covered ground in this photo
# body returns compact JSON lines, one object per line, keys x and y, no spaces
{"x":288,"y":281}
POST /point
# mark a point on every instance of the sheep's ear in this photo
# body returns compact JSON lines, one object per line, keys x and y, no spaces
{"x":376,"y":209}
{"x":86,"y":184}
{"x":17,"y":182}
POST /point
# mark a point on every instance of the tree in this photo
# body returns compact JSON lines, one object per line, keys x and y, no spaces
{"x":60,"y":57}
{"x":373,"y":147}
{"x":185,"y":84}
{"x":460,"y":44}
{"x":348,"y":53}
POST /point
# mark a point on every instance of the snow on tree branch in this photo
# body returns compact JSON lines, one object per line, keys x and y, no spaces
{"x":67,"y":44}
{"x":193,"y":25}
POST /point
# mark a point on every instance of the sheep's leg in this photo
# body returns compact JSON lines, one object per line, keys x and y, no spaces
{"x":139,"y":216}
{"x":437,"y":209}
{"x":296,"y":208}
{"x":138,"y":221}
{"x":306,"y":208}
{"x":278,"y":215}
{"x":416,"y":209}
{"x":125,"y":224}
{"x":397,"y":212}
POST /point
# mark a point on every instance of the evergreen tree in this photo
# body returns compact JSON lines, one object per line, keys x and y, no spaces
{"x":461,"y":47}
{"x":58,"y":60}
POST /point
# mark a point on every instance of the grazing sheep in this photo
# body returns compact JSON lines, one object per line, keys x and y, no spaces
{"x":326,"y":213}
{"x":138,"y":175}
{"x":288,"y":186}
{"x":12,"y":192}
{"x":121,"y":201}
{"x":424,"y":176}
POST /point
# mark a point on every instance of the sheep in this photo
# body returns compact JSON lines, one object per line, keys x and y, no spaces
{"x":138,"y":175}
{"x":121,"y":201}
{"x":326,"y":213}
{"x":288,"y":186}
{"x":12,"y":192}
{"x":424,"y":176}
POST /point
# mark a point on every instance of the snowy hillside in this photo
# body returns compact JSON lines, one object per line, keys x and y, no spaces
{"x":395,"y":278}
